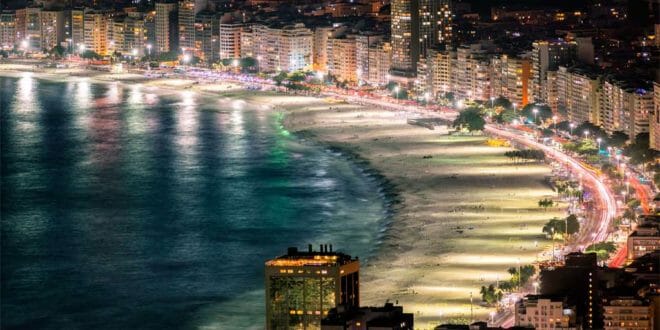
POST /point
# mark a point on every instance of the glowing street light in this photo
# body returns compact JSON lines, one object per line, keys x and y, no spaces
{"x":235,"y":63}
{"x":514,"y":108}
{"x":134,"y":52}
{"x":586,"y":134}
{"x":599,"y":140}
{"x":536,"y":287}
{"x":427,"y":97}
{"x":149,"y":49}
{"x":186,"y":58}
{"x":572,"y":126}
{"x":396,"y":92}
{"x":492,"y":100}
{"x":535,"y":111}
{"x":459,"y":104}
{"x":24,"y":44}
{"x":81,"y":48}
{"x":319,"y":75}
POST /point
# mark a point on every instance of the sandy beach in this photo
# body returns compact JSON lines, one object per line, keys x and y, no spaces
{"x":465,"y":214}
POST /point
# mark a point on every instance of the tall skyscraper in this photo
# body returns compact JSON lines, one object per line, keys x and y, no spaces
{"x":548,"y":56}
{"x":166,"y":27}
{"x":302,"y":287}
{"x":7,"y":29}
{"x":77,"y":27}
{"x":417,"y":25}
{"x":187,"y":11}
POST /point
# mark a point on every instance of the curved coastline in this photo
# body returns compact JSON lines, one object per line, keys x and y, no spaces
{"x":401,"y":268}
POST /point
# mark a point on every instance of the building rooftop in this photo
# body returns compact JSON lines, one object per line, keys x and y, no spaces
{"x":324,"y":257}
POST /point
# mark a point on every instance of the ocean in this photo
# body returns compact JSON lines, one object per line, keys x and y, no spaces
{"x":130,"y":207}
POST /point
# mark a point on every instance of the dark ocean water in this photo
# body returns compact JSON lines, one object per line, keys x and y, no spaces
{"x":124,"y":207}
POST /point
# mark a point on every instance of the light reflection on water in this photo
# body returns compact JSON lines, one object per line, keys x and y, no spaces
{"x":126,"y":208}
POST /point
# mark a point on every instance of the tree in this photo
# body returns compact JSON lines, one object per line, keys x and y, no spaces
{"x":594,"y":131}
{"x":490,"y":295}
{"x":640,"y":151}
{"x":558,"y":226}
{"x":89,"y":54}
{"x":603,"y":250}
{"x":470,"y":118}
{"x":507,"y":115}
{"x":279,"y":78}
{"x":617,"y":139}
{"x":502,"y":102}
{"x":545,"y":203}
{"x":248,"y":63}
{"x":543,"y":112}
{"x":57,"y":51}
{"x":168,"y":57}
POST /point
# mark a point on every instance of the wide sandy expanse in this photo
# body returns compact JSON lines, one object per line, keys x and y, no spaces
{"x":467,"y":212}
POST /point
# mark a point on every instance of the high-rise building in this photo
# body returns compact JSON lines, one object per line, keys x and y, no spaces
{"x":471,"y":73}
{"x":52,"y":28}
{"x":440,"y":72}
{"x":417,"y":25}
{"x":364,"y":45}
{"x":645,"y":239}
{"x":545,"y":313}
{"x":578,"y":94}
{"x":129,"y":35}
{"x":510,"y":76}
{"x":405,"y":39}
{"x":548,"y":56}
{"x":654,"y":119}
{"x":320,"y":53}
{"x":342,"y":62}
{"x":380,"y":61}
{"x":627,"y":312}
{"x":33,"y":28}
{"x":21,"y":16}
{"x":77,"y":28}
{"x":624,"y":106}
{"x":188,"y":9}
{"x":8,"y":35}
{"x":206,"y":36}
{"x":97,"y":28}
{"x":230,"y":37}
{"x":302,"y":287}
{"x":166,"y":27}
{"x":287,"y":48}
{"x":578,"y":281}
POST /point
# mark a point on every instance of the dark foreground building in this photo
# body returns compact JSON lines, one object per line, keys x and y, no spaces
{"x":388,"y":317}
{"x":303,"y":286}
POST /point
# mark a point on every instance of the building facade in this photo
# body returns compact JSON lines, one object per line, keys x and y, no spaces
{"x":166,"y":27}
{"x":52,"y":28}
{"x":230,"y":40}
{"x":654,"y":119}
{"x":544,"y":313}
{"x":97,"y":28}
{"x":8,"y":35}
{"x":342,"y":62}
{"x":548,"y":56}
{"x":302,"y":287}
{"x":628,"y":313}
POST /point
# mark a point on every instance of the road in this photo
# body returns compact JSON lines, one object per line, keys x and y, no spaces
{"x":596,"y":227}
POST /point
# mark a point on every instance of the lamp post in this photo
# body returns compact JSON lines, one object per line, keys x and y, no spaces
{"x":492,"y":100}
{"x":536,"y":287}
{"x":149,"y":49}
{"x":396,"y":92}
{"x":554,"y":123}
{"x":586,"y":134}
{"x":599,"y":140}
{"x":514,"y":108}
{"x":235,"y":64}
{"x":536,"y":112}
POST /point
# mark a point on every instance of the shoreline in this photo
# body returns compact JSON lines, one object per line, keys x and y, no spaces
{"x":407,"y":266}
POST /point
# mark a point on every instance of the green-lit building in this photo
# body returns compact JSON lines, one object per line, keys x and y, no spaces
{"x":302,"y":287}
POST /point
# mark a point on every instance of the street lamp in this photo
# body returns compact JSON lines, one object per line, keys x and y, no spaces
{"x":599,"y":140}
{"x":572,"y":126}
{"x":492,"y":317}
{"x":396,"y":92}
{"x":554,"y":123}
{"x":186,"y":58}
{"x":536,"y":112}
{"x":586,"y":134}
{"x":134,"y":52}
{"x":536,"y":287}
{"x":514,"y":108}
{"x":149,"y":49}
{"x":81,"y":48}
{"x":492,"y":100}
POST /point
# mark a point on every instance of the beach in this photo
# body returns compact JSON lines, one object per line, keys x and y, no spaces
{"x":462,"y":213}
{"x":466,"y":212}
